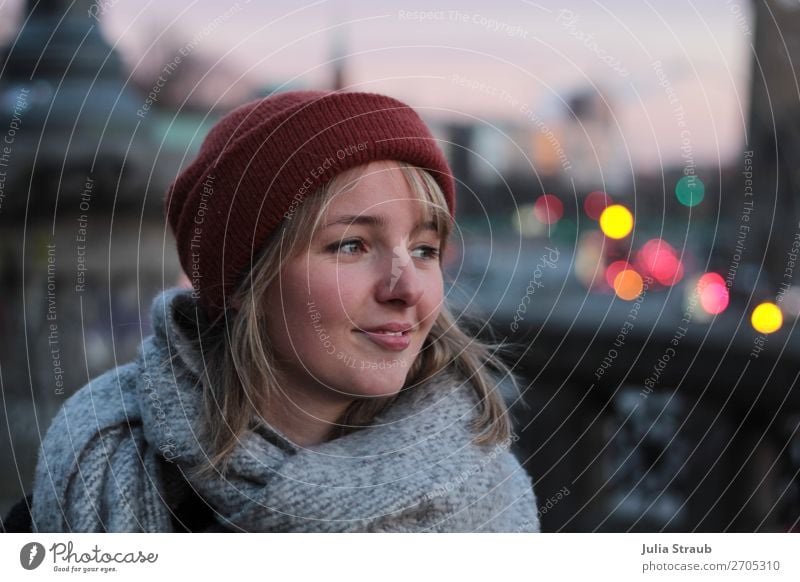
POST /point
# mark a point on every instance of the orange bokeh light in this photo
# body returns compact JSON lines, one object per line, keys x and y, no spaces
{"x":628,"y":284}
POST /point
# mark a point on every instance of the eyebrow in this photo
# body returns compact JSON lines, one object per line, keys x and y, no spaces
{"x":377,"y":221}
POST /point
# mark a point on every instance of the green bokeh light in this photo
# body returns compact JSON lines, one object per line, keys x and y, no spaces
{"x":565,"y":231}
{"x":690,"y":190}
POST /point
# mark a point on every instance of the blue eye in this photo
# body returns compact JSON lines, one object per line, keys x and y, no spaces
{"x":339,"y":246}
{"x":430,"y":253}
{"x":352,"y":246}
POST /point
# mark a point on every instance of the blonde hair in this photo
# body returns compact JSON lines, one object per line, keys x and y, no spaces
{"x":242,"y":375}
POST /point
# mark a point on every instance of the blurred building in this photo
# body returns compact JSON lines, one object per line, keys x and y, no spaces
{"x":85,"y":161}
{"x":592,"y":138}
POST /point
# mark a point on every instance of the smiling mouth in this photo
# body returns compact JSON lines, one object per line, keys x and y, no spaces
{"x":392,"y":341}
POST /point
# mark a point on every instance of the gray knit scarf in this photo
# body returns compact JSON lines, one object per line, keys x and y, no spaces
{"x":414,"y":469}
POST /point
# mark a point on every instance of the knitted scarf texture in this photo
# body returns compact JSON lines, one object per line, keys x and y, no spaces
{"x":414,"y":469}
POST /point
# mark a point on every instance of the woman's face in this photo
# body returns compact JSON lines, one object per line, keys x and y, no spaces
{"x":372,"y":267}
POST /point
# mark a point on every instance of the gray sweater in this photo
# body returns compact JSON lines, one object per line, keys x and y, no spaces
{"x":113,"y":454}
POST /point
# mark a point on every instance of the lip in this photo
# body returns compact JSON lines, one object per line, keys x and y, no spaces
{"x":393,"y":326}
{"x":394,"y":343}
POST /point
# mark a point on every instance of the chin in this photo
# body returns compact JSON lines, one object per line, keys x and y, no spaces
{"x":376,"y":383}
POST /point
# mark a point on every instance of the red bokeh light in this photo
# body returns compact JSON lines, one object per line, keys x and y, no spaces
{"x":714,"y":295}
{"x":615,"y":269}
{"x":548,"y":209}
{"x":595,"y":203}
{"x":658,"y":259}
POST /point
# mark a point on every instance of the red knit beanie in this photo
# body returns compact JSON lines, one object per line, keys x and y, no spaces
{"x":260,"y":160}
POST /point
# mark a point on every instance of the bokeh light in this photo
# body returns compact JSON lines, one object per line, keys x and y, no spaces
{"x":595,"y":203}
{"x":628,"y":284}
{"x":690,"y":190}
{"x":565,"y":231}
{"x":615,"y":269}
{"x":616,"y":221}
{"x":525,"y":222}
{"x":548,"y":209}
{"x":713,"y":293}
{"x":790,"y":301}
{"x":589,"y":259}
{"x":710,"y":278}
{"x":658,"y":259}
{"x":767,"y":318}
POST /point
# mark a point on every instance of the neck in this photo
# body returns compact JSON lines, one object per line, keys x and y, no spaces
{"x":303,"y":420}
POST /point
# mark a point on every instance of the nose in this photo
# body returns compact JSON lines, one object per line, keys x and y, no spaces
{"x":401,"y":282}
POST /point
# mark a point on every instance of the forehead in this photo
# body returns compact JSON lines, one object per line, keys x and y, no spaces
{"x":378,"y":188}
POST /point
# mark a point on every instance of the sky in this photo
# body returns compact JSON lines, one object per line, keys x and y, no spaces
{"x":493,"y":62}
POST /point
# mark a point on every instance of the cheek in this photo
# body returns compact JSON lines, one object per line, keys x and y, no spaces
{"x":338,"y":295}
{"x":291,"y":314}
{"x":431,"y":302}
{"x":341,"y":297}
{"x":326,"y":305}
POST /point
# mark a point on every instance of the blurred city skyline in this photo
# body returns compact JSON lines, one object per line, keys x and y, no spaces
{"x":456,"y":61}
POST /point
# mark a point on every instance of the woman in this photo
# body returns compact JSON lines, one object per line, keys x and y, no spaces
{"x":313,"y":378}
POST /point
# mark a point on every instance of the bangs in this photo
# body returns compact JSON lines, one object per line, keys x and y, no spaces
{"x":424,"y":186}
{"x":430,"y":193}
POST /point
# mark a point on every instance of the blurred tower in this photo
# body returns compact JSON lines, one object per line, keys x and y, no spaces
{"x":63,"y":89}
{"x":338,"y":46}
{"x":774,"y":136}
{"x":458,"y":145}
{"x":338,"y":59}
{"x":77,"y":224}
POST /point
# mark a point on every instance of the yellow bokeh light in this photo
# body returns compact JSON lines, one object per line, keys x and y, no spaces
{"x":616,"y":221}
{"x":767,"y":318}
{"x":628,"y":284}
